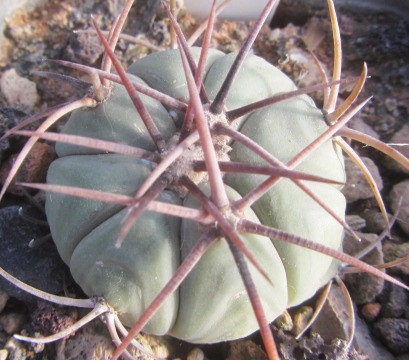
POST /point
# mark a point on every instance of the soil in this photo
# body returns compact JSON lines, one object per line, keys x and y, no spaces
{"x":381,"y":40}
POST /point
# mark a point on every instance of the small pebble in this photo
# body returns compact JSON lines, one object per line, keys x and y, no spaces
{"x":371,"y":311}
{"x":333,"y":322}
{"x":19,"y":92}
{"x":12,"y":323}
{"x":196,"y":354}
{"x":301,"y":319}
{"x":3,"y":354}
{"x":400,"y":195}
{"x":16,"y":349}
{"x":284,"y":321}
{"x":391,"y":105}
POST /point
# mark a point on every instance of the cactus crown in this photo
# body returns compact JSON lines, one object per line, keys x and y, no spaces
{"x":252,"y":158}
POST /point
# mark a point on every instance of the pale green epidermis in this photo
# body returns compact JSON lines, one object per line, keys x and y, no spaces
{"x":118,"y":121}
{"x":164,"y":71}
{"x":85,"y":232}
{"x":222,"y":310}
{"x":298,"y":122}
{"x":130,"y":277}
{"x":72,"y":218}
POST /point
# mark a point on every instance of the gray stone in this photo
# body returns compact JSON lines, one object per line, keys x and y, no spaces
{"x":314,"y":347}
{"x":92,"y":342}
{"x":393,"y":251}
{"x":19,"y":92}
{"x":364,"y":288}
{"x":40,"y":267}
{"x":359,"y":188}
{"x":400,"y":193}
{"x":359,"y":124}
{"x":400,"y":142}
{"x":375,"y":222}
{"x":333,"y":321}
{"x":391,"y":105}
{"x":356,"y":222}
{"x":365,"y":342}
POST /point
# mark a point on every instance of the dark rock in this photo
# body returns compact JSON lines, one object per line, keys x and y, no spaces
{"x":33,"y":169}
{"x":246,"y":349}
{"x":402,"y":357}
{"x":394,"y":333}
{"x":9,"y":118}
{"x":84,"y":48}
{"x":49,"y":319}
{"x":40,"y":267}
{"x":395,"y":303}
{"x":4,"y":297}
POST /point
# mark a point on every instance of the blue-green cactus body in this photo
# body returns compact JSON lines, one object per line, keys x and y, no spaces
{"x":212,"y":304}
{"x":286,"y":206}
{"x":220,"y":311}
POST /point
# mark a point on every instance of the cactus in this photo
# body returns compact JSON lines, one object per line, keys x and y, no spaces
{"x":226,"y":181}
